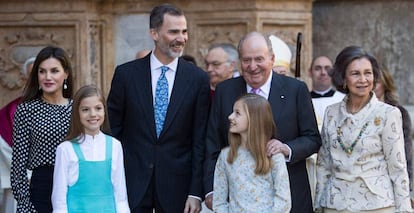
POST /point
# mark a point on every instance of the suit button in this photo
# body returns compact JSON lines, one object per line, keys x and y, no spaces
{"x":151,"y":165}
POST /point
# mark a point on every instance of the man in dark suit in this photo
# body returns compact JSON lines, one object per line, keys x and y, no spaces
{"x":163,"y":156}
{"x":297,"y":132}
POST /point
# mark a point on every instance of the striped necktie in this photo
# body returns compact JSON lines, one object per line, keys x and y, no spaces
{"x":255,"y":91}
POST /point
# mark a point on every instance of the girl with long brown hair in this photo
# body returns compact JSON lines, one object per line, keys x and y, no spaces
{"x":245,"y":178}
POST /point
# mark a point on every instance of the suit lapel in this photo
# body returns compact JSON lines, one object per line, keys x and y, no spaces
{"x":143,"y":90}
{"x":182,"y":84}
{"x":277,"y":96}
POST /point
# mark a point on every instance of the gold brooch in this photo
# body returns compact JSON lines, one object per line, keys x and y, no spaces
{"x":377,"y":121}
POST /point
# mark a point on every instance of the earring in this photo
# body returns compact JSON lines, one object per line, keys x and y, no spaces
{"x":65,"y":85}
{"x":344,"y":86}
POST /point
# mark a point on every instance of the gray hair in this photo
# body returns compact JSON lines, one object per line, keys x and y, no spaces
{"x":254,"y":33}
{"x":230,"y":49}
{"x":29,"y":61}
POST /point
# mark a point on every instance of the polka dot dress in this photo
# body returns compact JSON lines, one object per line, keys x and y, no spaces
{"x":37,"y":130}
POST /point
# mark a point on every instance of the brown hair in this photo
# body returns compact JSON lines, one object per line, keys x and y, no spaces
{"x":390,"y":91}
{"x":76,"y":128}
{"x":261,"y":129}
{"x":31,"y":90}
{"x":346,"y":57}
{"x":158,"y":12}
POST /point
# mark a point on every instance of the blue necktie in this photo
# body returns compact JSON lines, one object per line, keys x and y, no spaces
{"x":161,"y":100}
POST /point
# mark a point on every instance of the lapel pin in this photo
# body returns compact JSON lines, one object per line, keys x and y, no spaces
{"x":282,"y":96}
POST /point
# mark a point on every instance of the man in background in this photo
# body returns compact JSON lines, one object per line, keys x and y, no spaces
{"x":221,"y":63}
{"x":323,"y":94}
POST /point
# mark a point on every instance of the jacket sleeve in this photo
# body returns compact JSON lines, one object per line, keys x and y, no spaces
{"x":393,"y":146}
{"x":20,"y":158}
{"x":221,"y":186}
{"x":282,"y":200}
{"x":322,"y":166}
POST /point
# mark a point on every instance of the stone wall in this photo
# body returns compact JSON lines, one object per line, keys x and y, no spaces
{"x":28,"y":26}
{"x":385,"y":28}
{"x":100,"y":34}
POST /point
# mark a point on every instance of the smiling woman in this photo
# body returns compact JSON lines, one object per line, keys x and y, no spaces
{"x":363,"y":139}
{"x":48,"y":92}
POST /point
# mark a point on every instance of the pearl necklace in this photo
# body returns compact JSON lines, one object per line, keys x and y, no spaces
{"x":348,"y":150}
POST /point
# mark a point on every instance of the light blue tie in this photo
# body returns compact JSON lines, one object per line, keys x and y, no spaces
{"x":161,"y":100}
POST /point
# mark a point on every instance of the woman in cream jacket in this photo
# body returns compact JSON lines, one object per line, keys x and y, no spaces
{"x":361,"y":165}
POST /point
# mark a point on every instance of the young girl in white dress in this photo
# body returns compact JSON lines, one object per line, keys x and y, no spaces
{"x":89,"y":170}
{"x":245,"y":178}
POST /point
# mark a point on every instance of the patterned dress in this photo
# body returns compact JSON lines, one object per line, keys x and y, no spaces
{"x":361,"y":165}
{"x":38,"y":129}
{"x":238,"y":189}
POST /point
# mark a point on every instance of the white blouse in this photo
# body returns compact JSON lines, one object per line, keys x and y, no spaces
{"x":66,"y":170}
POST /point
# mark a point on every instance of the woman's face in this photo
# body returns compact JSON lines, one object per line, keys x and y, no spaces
{"x":379,"y":90}
{"x":359,"y":78}
{"x":51,"y":76}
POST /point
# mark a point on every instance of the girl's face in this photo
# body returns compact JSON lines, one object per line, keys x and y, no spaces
{"x":92,"y":114}
{"x":238,"y":119}
{"x":51,"y":76}
{"x":359,"y":78}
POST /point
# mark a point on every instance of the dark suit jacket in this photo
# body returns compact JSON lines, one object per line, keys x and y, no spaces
{"x":176,"y":157}
{"x":295,"y":125}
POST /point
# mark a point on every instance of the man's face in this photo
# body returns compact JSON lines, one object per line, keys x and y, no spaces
{"x":256,"y":61}
{"x":319,"y":73}
{"x":170,"y":38}
{"x":217,"y":66}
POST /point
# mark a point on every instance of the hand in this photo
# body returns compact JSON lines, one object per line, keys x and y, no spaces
{"x":192,"y":205}
{"x":209,"y":201}
{"x":275,"y":146}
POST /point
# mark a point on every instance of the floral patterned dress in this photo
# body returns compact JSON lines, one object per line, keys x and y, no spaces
{"x":238,"y":189}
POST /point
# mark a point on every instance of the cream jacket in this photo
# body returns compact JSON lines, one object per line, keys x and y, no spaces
{"x":374,"y":175}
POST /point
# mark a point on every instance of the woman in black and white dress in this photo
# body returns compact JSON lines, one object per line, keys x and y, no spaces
{"x":41,"y":122}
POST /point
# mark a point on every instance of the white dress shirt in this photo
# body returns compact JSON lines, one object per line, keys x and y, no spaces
{"x":66,"y":170}
{"x":156,"y":65}
{"x":264,"y":89}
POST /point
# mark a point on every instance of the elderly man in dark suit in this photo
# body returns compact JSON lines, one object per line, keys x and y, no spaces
{"x":297,"y":131}
{"x":158,"y":109}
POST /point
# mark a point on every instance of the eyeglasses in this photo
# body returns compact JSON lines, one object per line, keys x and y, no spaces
{"x":215,"y":64}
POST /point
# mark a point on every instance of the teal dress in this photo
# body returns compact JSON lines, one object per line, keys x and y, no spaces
{"x":93,"y":192}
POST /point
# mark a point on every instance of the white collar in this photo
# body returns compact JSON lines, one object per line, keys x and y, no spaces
{"x":156,"y":64}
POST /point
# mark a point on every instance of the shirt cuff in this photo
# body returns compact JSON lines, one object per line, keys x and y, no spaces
{"x":209,"y":193}
{"x":288,"y":158}
{"x":196,"y":197}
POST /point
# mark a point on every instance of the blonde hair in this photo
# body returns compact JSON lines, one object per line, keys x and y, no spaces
{"x":261,"y":128}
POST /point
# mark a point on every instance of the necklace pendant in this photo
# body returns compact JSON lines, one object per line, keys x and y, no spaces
{"x":348,"y":151}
